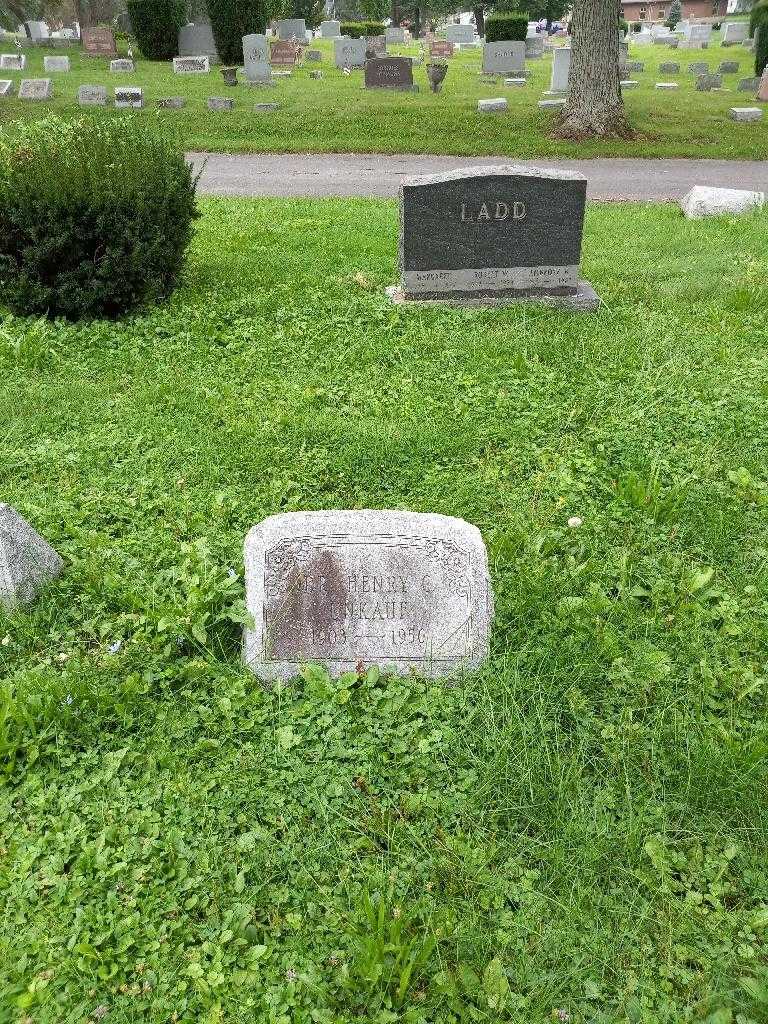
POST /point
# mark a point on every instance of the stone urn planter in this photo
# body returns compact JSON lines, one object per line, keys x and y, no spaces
{"x":229,"y":75}
{"x":436,"y":73}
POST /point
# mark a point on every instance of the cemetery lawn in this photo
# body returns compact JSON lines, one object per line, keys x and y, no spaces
{"x":336,"y":114}
{"x":577,"y":829}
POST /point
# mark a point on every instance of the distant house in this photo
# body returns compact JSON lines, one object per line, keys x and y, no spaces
{"x":658,"y":10}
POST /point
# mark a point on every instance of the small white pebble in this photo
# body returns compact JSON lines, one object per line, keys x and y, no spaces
{"x":575,"y":521}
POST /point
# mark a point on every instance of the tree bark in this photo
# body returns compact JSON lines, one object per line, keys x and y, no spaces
{"x":479,"y":14}
{"x":594,"y":106}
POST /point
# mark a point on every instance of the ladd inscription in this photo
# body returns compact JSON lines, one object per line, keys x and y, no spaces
{"x":370,"y":587}
{"x":492,"y":211}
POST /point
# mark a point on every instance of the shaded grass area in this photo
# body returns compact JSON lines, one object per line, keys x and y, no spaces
{"x":336,"y":114}
{"x":579,"y":827}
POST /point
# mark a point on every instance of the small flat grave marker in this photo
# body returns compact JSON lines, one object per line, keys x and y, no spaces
{"x":92,"y":96}
{"x":703,"y":201}
{"x":401,"y":590}
{"x":172,"y":103}
{"x":129,"y":96}
{"x":265,"y":108}
{"x":220,"y":103}
{"x":749,"y":85}
{"x":667,"y":85}
{"x":492,"y":106}
{"x":55,"y":64}
{"x":13,"y":62}
{"x":36,"y":89}
{"x":745,"y":113}
{"x":495,"y":233}
{"x":122,"y":66}
{"x":191,"y":65}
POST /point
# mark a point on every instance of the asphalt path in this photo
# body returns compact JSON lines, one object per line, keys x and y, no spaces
{"x":318,"y":175}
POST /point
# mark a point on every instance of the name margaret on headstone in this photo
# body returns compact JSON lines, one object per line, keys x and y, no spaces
{"x":399,"y":589}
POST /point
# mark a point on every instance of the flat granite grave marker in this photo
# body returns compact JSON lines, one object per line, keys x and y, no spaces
{"x":172,"y":103}
{"x":99,"y":42}
{"x":6,"y":87}
{"x":129,"y":96}
{"x":389,"y":73}
{"x":36,"y":89}
{"x":402,"y":590}
{"x":13,"y":62}
{"x":748,"y":85}
{"x":745,"y":113}
{"x":493,"y":234}
{"x":220,"y":103}
{"x":492,"y":106}
{"x":122,"y":66}
{"x":92,"y":96}
{"x":27,"y":562}
{"x":503,"y":58}
{"x":55,"y":64}
{"x":349,"y":53}
{"x":199,"y":65}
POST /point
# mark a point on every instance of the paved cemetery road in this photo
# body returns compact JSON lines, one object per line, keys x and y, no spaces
{"x":351,"y":174}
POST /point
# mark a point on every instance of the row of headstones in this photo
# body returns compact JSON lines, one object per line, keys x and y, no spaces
{"x":51,"y":65}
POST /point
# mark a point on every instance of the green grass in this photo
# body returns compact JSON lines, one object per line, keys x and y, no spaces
{"x":337,"y":115}
{"x":581,"y":826}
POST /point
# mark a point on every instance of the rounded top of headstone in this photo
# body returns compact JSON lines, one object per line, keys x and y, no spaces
{"x":485,"y":171}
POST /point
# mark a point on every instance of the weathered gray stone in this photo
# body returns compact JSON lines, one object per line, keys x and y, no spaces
{"x":122,"y":66}
{"x":534,"y":47}
{"x":92,"y":96}
{"x":669,"y":68}
{"x":389,"y":73}
{"x":491,"y":232}
{"x":27,"y":562}
{"x":460,"y":34}
{"x":172,"y":103}
{"x":702,"y":201}
{"x":734,"y":32}
{"x":401,"y":590}
{"x":129,"y":96}
{"x":394,"y":34}
{"x":376,"y":46}
{"x":503,"y":58}
{"x":349,"y":53}
{"x":699,"y":68}
{"x":745,"y":113}
{"x":199,"y":65}
{"x":551,"y":104}
{"x":220,"y":103}
{"x":667,"y":85}
{"x":330,"y":29}
{"x":36,"y":89}
{"x":197,"y":39}
{"x":561,"y":66}
{"x":492,"y":106}
{"x":6,"y":87}
{"x":635,"y":66}
{"x":13,"y":61}
{"x":516,"y":81}
{"x":629,"y":83}
{"x":52,"y":65}
{"x":265,"y":108}
{"x":258,"y":70}
{"x":706,"y":83}
{"x":749,"y":85}
{"x":292,"y":28}
{"x":313,"y":56}
{"x":728,"y":67}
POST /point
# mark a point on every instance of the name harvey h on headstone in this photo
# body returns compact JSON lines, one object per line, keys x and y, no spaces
{"x":399,"y":589}
{"x":493,"y":233}
{"x":389,"y":73}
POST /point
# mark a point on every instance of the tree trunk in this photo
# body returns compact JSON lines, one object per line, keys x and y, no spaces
{"x":479,"y":14}
{"x":594,"y":106}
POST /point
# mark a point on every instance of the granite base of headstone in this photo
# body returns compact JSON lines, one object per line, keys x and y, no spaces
{"x":491,"y":235}
{"x":265,"y":108}
{"x":27,"y":561}
{"x":92,"y":96}
{"x":406,"y":592}
{"x":551,"y":104}
{"x":667,"y":85}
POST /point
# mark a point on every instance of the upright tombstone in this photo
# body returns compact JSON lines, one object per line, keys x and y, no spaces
{"x":330,"y":29}
{"x":256,"y":59}
{"x":698,"y":36}
{"x":27,"y":562}
{"x":52,"y":65}
{"x":503,"y":58}
{"x":377,"y":45}
{"x":390,"y":73}
{"x":459,"y":34}
{"x":196,"y":39}
{"x":735,"y":32}
{"x":99,"y":42}
{"x":349,"y":53}
{"x":36,"y":89}
{"x":762,"y":91}
{"x":92,"y":96}
{"x":200,"y":65}
{"x":561,"y":66}
{"x":13,"y":62}
{"x":534,"y":47}
{"x":441,"y":49}
{"x":394,"y":34}
{"x":493,"y":233}
{"x":283,"y":53}
{"x":292,"y":28}
{"x":129,"y":96}
{"x":405,"y":591}
{"x":38,"y":31}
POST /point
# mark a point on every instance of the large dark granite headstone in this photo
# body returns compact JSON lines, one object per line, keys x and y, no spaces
{"x":389,"y":73}
{"x":493,"y":232}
